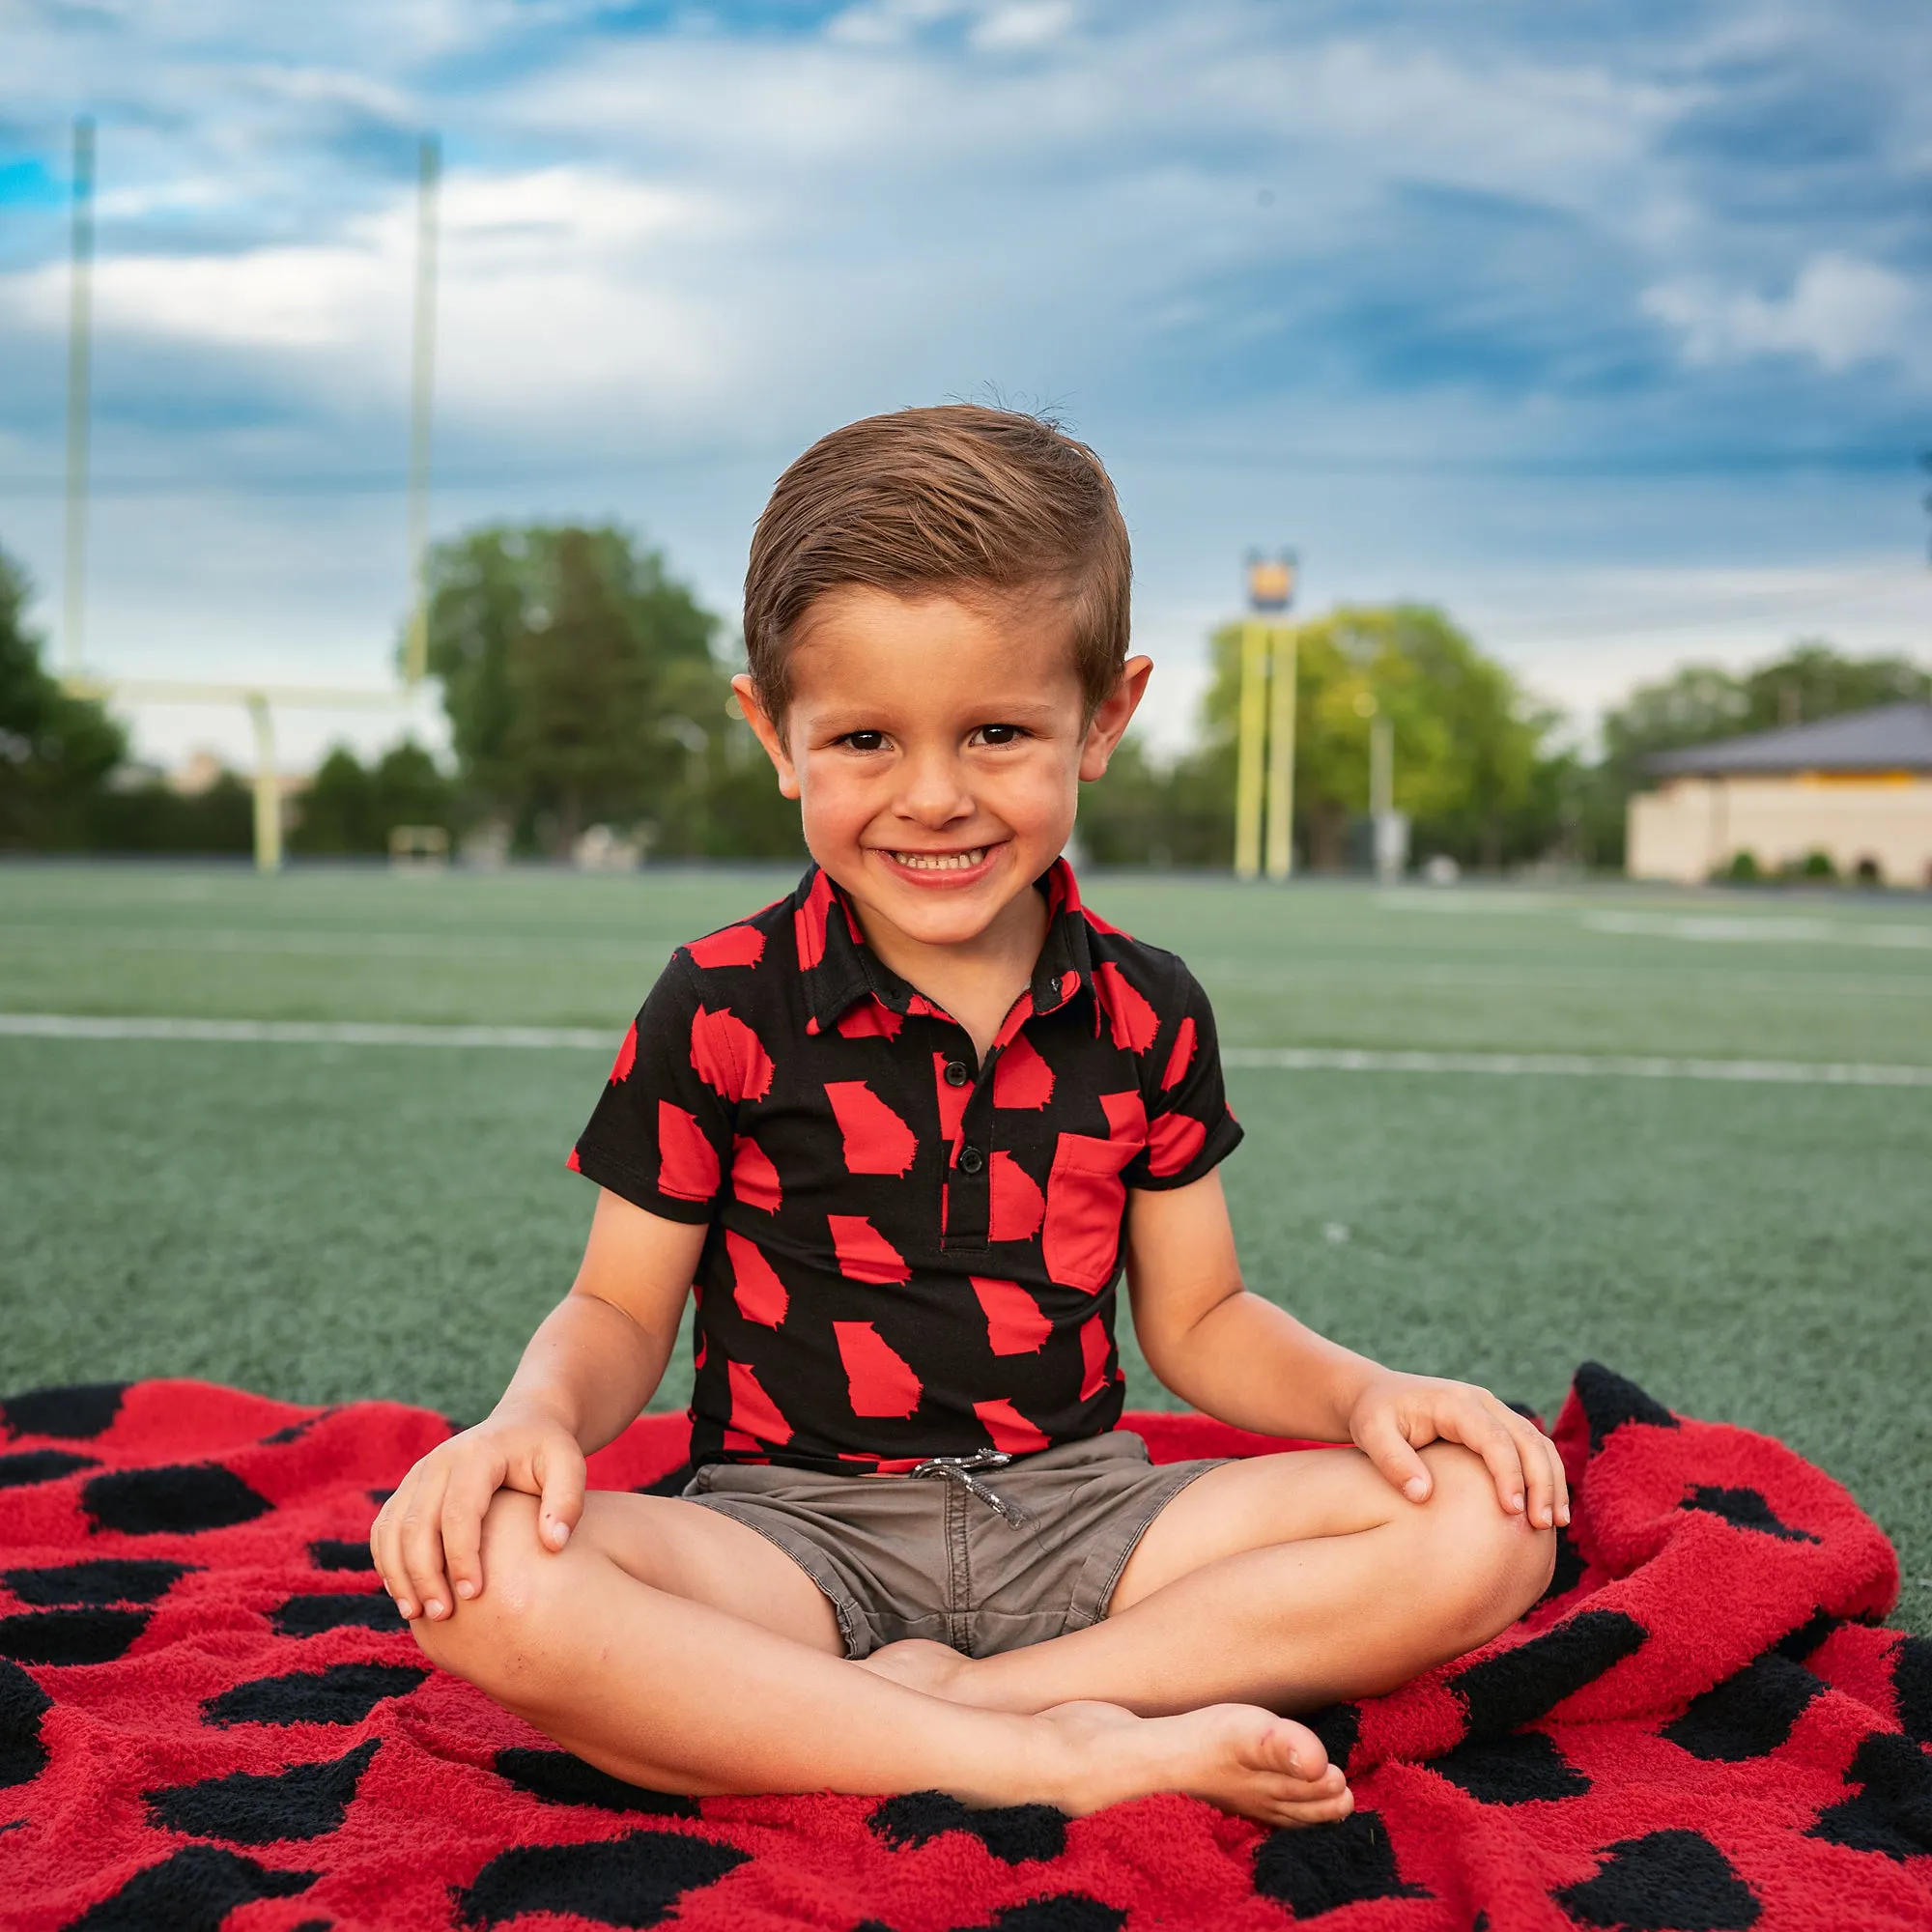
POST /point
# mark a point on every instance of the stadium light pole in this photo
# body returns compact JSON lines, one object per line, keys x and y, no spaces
{"x":79,"y":358}
{"x":1270,"y":588}
{"x":423,"y":383}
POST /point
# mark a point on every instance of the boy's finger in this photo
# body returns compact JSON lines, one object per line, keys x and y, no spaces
{"x":464,"y":1505}
{"x":1541,"y":1496}
{"x":1496,"y":1445}
{"x":1561,"y":1479}
{"x":561,"y":1472}
{"x":385,"y":1545}
{"x":1392,"y":1452}
{"x":422,"y":1547}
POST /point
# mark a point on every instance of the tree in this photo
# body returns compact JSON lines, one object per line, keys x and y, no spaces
{"x":56,"y":750}
{"x":1470,"y":769}
{"x":351,"y":808}
{"x":583,"y":687}
{"x":1701,"y":704}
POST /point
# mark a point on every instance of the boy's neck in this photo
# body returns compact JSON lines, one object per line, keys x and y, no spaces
{"x":976,"y":980}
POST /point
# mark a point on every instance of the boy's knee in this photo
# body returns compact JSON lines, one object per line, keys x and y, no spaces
{"x":487,"y":1636}
{"x":1492,"y":1562}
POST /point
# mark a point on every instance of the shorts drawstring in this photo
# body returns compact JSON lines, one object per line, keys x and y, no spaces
{"x":958,"y":1469}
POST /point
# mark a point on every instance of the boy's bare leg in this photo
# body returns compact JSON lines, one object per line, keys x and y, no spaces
{"x":1289,"y":1581}
{"x":680,"y":1695}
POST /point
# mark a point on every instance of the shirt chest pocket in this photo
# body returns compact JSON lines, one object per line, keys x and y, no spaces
{"x":1085,"y":1203}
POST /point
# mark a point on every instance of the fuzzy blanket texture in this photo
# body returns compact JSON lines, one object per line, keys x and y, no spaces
{"x":210,"y":1717}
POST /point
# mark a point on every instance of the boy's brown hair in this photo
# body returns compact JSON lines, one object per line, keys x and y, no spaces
{"x":954,"y":498}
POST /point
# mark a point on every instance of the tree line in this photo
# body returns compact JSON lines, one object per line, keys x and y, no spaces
{"x":586,"y":685}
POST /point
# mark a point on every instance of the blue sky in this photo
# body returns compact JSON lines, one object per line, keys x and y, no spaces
{"x":1609,"y":328}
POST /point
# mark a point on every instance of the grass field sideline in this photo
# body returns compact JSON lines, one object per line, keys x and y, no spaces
{"x":327,"y":1220}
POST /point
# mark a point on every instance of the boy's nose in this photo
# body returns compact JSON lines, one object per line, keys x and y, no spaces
{"x":934,"y":791}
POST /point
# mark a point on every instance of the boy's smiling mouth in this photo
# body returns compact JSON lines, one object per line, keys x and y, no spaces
{"x":953,"y":862}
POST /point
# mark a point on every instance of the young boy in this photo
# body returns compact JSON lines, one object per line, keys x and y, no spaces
{"x":902,"y":1130}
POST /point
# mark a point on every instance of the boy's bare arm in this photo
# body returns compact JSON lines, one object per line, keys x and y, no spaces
{"x":594,"y":1363}
{"x":1242,"y":1359}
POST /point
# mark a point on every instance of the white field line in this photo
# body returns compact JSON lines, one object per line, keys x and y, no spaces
{"x":303,"y":1033}
{"x":1276,"y":1059}
{"x":1725,"y":929}
{"x":1764,"y":1073}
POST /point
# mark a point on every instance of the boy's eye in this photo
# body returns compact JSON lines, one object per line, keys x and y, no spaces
{"x":1000,"y":734}
{"x":864,"y":741}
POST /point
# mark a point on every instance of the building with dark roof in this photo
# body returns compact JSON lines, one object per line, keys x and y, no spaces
{"x":1856,"y":788}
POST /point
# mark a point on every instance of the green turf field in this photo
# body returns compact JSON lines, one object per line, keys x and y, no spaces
{"x":328,"y":1221}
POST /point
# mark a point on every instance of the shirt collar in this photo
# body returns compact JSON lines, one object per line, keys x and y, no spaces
{"x":838,"y":967}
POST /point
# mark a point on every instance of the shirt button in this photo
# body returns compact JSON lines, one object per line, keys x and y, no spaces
{"x":971,"y":1160}
{"x":955,"y":1073}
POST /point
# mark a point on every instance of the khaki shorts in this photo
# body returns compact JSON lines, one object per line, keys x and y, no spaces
{"x":985,"y":1553}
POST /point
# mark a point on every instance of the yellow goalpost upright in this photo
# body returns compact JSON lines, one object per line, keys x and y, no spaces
{"x":1264,"y":792}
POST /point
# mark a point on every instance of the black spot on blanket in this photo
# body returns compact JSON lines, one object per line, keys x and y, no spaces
{"x":307,"y":1801}
{"x":1337,"y":1725}
{"x":1747,"y":1715}
{"x":76,"y":1413}
{"x":293,"y":1432}
{"x":1569,"y":1570}
{"x":107,"y":1579}
{"x":41,"y":1465}
{"x":345,"y":1694}
{"x":1747,"y":1508}
{"x":70,"y":1636}
{"x":177,"y":1499}
{"x":22,"y":1705}
{"x":1663,"y":1882}
{"x":310,"y":1615}
{"x":1609,"y":1401}
{"x":1911,"y":1679}
{"x":192,"y":1892}
{"x":1060,"y":1912}
{"x":1807,"y":1636}
{"x":636,"y":1880}
{"x":1338,"y":1864}
{"x":334,"y":1552}
{"x":1892,"y":1814}
{"x":1516,"y":1687}
{"x":559,"y":1777}
{"x":1519,"y":1770}
{"x":1012,"y":1832}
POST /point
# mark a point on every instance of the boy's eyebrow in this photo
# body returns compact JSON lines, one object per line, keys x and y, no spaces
{"x":996,"y":710}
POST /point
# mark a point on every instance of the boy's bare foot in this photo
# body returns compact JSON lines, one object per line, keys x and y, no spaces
{"x":1239,"y":1756}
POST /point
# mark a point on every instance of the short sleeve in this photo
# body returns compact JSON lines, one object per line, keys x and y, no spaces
{"x":661,"y":1132}
{"x":1189,"y":1127}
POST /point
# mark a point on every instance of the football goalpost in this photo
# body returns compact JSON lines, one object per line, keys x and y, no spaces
{"x":260,"y":700}
{"x":1265,"y":792}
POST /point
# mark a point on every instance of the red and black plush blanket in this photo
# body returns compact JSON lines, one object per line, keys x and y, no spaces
{"x":210,"y":1716}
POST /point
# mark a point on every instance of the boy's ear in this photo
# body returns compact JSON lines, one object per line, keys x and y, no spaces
{"x":1111,"y":716}
{"x":768,"y":734}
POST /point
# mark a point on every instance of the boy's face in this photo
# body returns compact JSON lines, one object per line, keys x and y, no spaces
{"x":936,"y":746}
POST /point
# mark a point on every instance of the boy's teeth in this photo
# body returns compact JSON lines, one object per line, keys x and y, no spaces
{"x":941,"y":861}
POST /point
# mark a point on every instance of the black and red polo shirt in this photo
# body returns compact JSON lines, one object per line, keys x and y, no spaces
{"x":911,"y":1253}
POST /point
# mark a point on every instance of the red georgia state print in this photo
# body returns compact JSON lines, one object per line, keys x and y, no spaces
{"x":876,"y":1141}
{"x":881,"y":1382}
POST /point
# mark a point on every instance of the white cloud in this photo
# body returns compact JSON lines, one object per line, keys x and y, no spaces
{"x":1841,"y":310}
{"x":1023,"y":25}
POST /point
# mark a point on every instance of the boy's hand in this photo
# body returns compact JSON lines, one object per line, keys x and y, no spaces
{"x":427,"y":1539}
{"x":1395,"y":1414}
